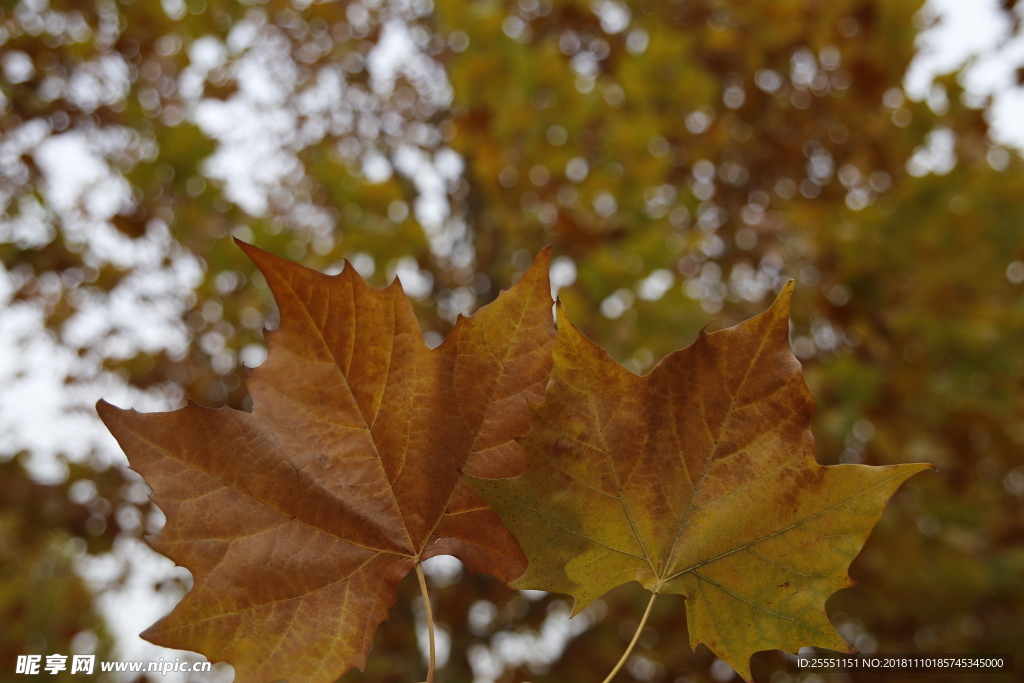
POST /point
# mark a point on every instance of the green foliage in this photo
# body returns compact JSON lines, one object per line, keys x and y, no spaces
{"x":45,"y":606}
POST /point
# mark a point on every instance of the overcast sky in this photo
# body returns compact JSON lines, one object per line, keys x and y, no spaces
{"x":974,"y":29}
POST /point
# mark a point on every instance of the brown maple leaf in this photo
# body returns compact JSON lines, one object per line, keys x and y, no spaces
{"x":299,"y":519}
{"x":698,"y":479}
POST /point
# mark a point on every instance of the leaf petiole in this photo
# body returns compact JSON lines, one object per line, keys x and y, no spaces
{"x":430,"y":621}
{"x":636,"y":637}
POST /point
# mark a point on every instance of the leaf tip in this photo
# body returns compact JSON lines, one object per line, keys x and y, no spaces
{"x":577,"y":607}
{"x":107,"y":410}
{"x":539,"y":273}
{"x":785,"y":296}
{"x":247,"y":247}
{"x":396,"y":282}
{"x":912,"y":468}
{"x":562,"y":320}
{"x":154,"y":634}
{"x":262,"y":259}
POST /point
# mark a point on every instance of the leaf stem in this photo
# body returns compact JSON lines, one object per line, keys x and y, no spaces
{"x":430,"y":621}
{"x":636,"y":637}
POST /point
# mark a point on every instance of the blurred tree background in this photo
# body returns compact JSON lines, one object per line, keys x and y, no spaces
{"x":684,"y":157}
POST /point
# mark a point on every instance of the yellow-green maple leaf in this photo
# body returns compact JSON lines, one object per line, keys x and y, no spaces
{"x":698,"y":479}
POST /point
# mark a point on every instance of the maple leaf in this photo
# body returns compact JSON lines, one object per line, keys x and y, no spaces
{"x":697,"y":479}
{"x":299,"y":519}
